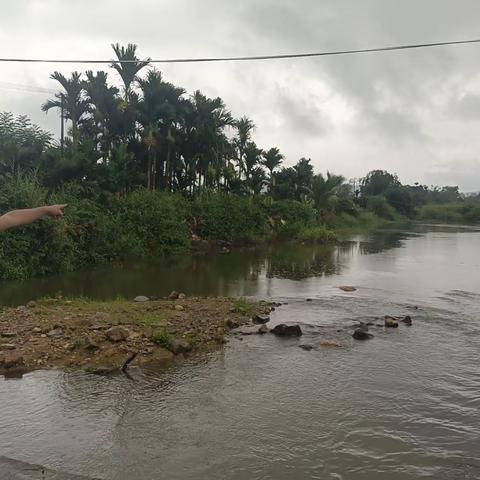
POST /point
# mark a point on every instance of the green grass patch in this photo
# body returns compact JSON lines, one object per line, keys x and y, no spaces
{"x":162,"y":338}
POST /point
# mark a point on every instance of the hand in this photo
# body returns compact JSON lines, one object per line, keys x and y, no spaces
{"x":55,"y":211}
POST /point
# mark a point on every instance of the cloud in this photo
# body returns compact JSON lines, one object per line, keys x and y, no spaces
{"x":407,"y":112}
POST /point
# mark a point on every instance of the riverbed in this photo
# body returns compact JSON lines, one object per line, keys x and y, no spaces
{"x":403,"y":405}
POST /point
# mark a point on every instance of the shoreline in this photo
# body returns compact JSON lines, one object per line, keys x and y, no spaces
{"x":105,"y":337}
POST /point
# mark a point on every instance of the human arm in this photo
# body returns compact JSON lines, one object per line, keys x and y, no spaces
{"x":16,"y":218}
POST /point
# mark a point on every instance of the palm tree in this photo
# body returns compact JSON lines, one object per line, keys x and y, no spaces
{"x":71,"y":101}
{"x":245,"y":129}
{"x":325,"y":191}
{"x":161,"y":111}
{"x":128,"y":65}
{"x":272,"y":159}
{"x":253,"y":156}
{"x":102,"y":102}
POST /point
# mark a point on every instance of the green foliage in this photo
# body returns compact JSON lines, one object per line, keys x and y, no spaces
{"x":317,"y":234}
{"x":241,"y":306}
{"x":380,"y":207}
{"x":459,"y":212}
{"x":228,"y":217}
{"x":162,"y":339}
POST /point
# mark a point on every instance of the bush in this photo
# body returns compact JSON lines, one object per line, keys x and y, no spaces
{"x":318,"y":234}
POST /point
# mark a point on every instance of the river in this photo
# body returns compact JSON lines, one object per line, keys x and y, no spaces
{"x":404,"y":405}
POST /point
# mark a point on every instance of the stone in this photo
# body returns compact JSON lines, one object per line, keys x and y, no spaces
{"x":231,"y":324}
{"x":331,"y":343}
{"x":391,"y":322}
{"x":260,"y":319}
{"x":36,"y":330}
{"x":348,"y":289}
{"x":103,"y":371}
{"x":7,"y":346}
{"x":360,"y":334}
{"x":306,"y":347}
{"x":180,"y":346}
{"x":179,"y":308}
{"x":174,"y":295}
{"x":94,"y":327}
{"x":9,"y":334}
{"x":407,"y":320}
{"x":56,"y":332}
{"x":141,"y":299}
{"x":91,"y":346}
{"x":263,"y":329}
{"x":117,"y":334}
{"x":182,"y":296}
{"x":13,"y":359}
{"x":31,"y":304}
{"x":283,"y":330}
{"x":309,"y":299}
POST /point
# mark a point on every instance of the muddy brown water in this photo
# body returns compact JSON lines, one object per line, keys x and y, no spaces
{"x":404,"y":405}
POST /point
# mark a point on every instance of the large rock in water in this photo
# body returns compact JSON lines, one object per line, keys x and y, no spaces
{"x":117,"y":334}
{"x":391,"y":322}
{"x":361,"y":334}
{"x":180,"y":346}
{"x":12,"y":359}
{"x":283,"y":330}
{"x":407,"y":320}
{"x":260,"y":319}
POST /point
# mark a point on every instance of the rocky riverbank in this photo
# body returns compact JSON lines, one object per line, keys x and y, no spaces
{"x":104,"y":337}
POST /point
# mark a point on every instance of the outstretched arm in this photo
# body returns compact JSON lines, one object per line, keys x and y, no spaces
{"x":16,"y":218}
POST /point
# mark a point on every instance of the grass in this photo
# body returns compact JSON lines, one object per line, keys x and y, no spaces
{"x":241,"y":306}
{"x":162,"y":338}
{"x":317,"y":234}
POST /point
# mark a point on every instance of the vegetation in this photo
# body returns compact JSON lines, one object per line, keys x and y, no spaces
{"x":148,"y":169}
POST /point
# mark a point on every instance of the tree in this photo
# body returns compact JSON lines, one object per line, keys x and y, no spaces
{"x":71,"y":100}
{"x":128,"y":65}
{"x":325,"y":190}
{"x":272,"y":159}
{"x":244,"y":127}
{"x":377,"y":182}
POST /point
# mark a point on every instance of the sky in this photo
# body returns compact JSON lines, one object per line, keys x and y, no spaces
{"x":414,"y":113}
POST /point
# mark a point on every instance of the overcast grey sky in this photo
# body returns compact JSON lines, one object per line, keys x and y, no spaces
{"x":416,"y":113}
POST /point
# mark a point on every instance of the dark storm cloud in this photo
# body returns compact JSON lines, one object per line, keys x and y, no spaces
{"x":410,"y":112}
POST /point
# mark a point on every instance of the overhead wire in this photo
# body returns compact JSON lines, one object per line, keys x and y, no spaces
{"x":248,"y":58}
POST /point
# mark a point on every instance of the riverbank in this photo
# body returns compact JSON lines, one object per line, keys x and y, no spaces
{"x":104,"y":337}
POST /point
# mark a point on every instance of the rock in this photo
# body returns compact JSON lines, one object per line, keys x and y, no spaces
{"x":36,"y":330}
{"x":174,"y":295}
{"x":91,"y":346}
{"x":348,"y":289}
{"x":180,"y":346}
{"x":283,"y":330}
{"x":407,"y":320}
{"x":391,"y":322}
{"x":260,"y":319}
{"x":7,"y":346}
{"x":94,"y":327}
{"x":102,"y":370}
{"x":231,"y":324}
{"x":9,"y":334}
{"x":179,"y":308}
{"x":182,"y":296}
{"x":360,"y":334}
{"x":263,"y":329}
{"x":117,"y":334}
{"x":306,"y":347}
{"x":331,"y":343}
{"x":13,"y":359}
{"x":141,"y":299}
{"x":309,"y":299}
{"x":56,"y":332}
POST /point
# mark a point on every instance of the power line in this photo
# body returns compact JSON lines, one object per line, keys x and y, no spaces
{"x":25,"y":88}
{"x":250,"y":58}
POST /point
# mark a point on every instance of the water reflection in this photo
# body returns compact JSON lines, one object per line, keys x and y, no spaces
{"x":207,"y":274}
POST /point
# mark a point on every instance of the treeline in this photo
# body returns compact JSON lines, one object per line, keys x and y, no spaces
{"x":147,"y":169}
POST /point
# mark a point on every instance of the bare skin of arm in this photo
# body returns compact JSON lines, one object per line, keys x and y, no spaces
{"x":17,"y":218}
